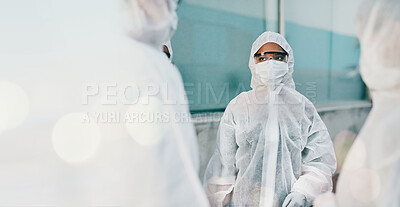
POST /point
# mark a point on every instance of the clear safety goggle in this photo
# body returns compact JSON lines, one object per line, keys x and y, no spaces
{"x":279,"y":56}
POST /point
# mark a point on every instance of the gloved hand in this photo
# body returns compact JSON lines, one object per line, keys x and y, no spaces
{"x":295,"y":199}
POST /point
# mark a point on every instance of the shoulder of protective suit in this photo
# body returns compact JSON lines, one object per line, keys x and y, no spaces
{"x":239,"y":99}
{"x":303,"y":99}
{"x":238,"y":102}
{"x":307,"y":102}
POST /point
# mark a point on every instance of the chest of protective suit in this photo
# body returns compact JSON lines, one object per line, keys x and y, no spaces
{"x":251,"y":126}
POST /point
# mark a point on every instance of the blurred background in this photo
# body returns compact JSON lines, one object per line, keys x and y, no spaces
{"x":212,"y":47}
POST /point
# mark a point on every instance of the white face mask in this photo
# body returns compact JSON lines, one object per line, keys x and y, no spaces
{"x":271,"y":72}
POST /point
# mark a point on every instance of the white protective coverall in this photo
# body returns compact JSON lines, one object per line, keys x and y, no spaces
{"x":271,"y":142}
{"x":89,"y":114}
{"x":370,"y":175}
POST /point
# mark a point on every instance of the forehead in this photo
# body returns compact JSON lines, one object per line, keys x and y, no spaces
{"x":270,"y":47}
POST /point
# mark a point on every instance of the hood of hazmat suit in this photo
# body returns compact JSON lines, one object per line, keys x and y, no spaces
{"x":90,"y":116}
{"x":151,"y":21}
{"x":271,"y":143}
{"x":369,"y":176}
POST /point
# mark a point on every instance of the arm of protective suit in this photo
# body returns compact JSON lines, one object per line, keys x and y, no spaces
{"x":318,"y":158}
{"x":221,"y":171}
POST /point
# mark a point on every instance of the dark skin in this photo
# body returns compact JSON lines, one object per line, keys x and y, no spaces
{"x":271,"y":47}
{"x":166,"y":51}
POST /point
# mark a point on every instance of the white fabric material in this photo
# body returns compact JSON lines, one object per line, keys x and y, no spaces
{"x":51,"y":154}
{"x":270,"y":143}
{"x":271,"y":73}
{"x":295,"y":199}
{"x":394,"y":189}
{"x":151,"y":21}
{"x":370,"y":175}
{"x":169,"y":46}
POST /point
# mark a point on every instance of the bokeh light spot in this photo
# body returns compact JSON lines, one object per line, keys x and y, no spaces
{"x":14,"y":105}
{"x":365,"y":185}
{"x":147,"y":121}
{"x":73,"y":140}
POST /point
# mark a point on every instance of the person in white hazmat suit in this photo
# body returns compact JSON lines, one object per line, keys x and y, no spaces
{"x":272,"y":147}
{"x":370,"y":174}
{"x":92,"y":113}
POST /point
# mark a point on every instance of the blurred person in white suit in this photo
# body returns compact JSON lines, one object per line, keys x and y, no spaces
{"x":370,"y":173}
{"x":92,"y":113}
